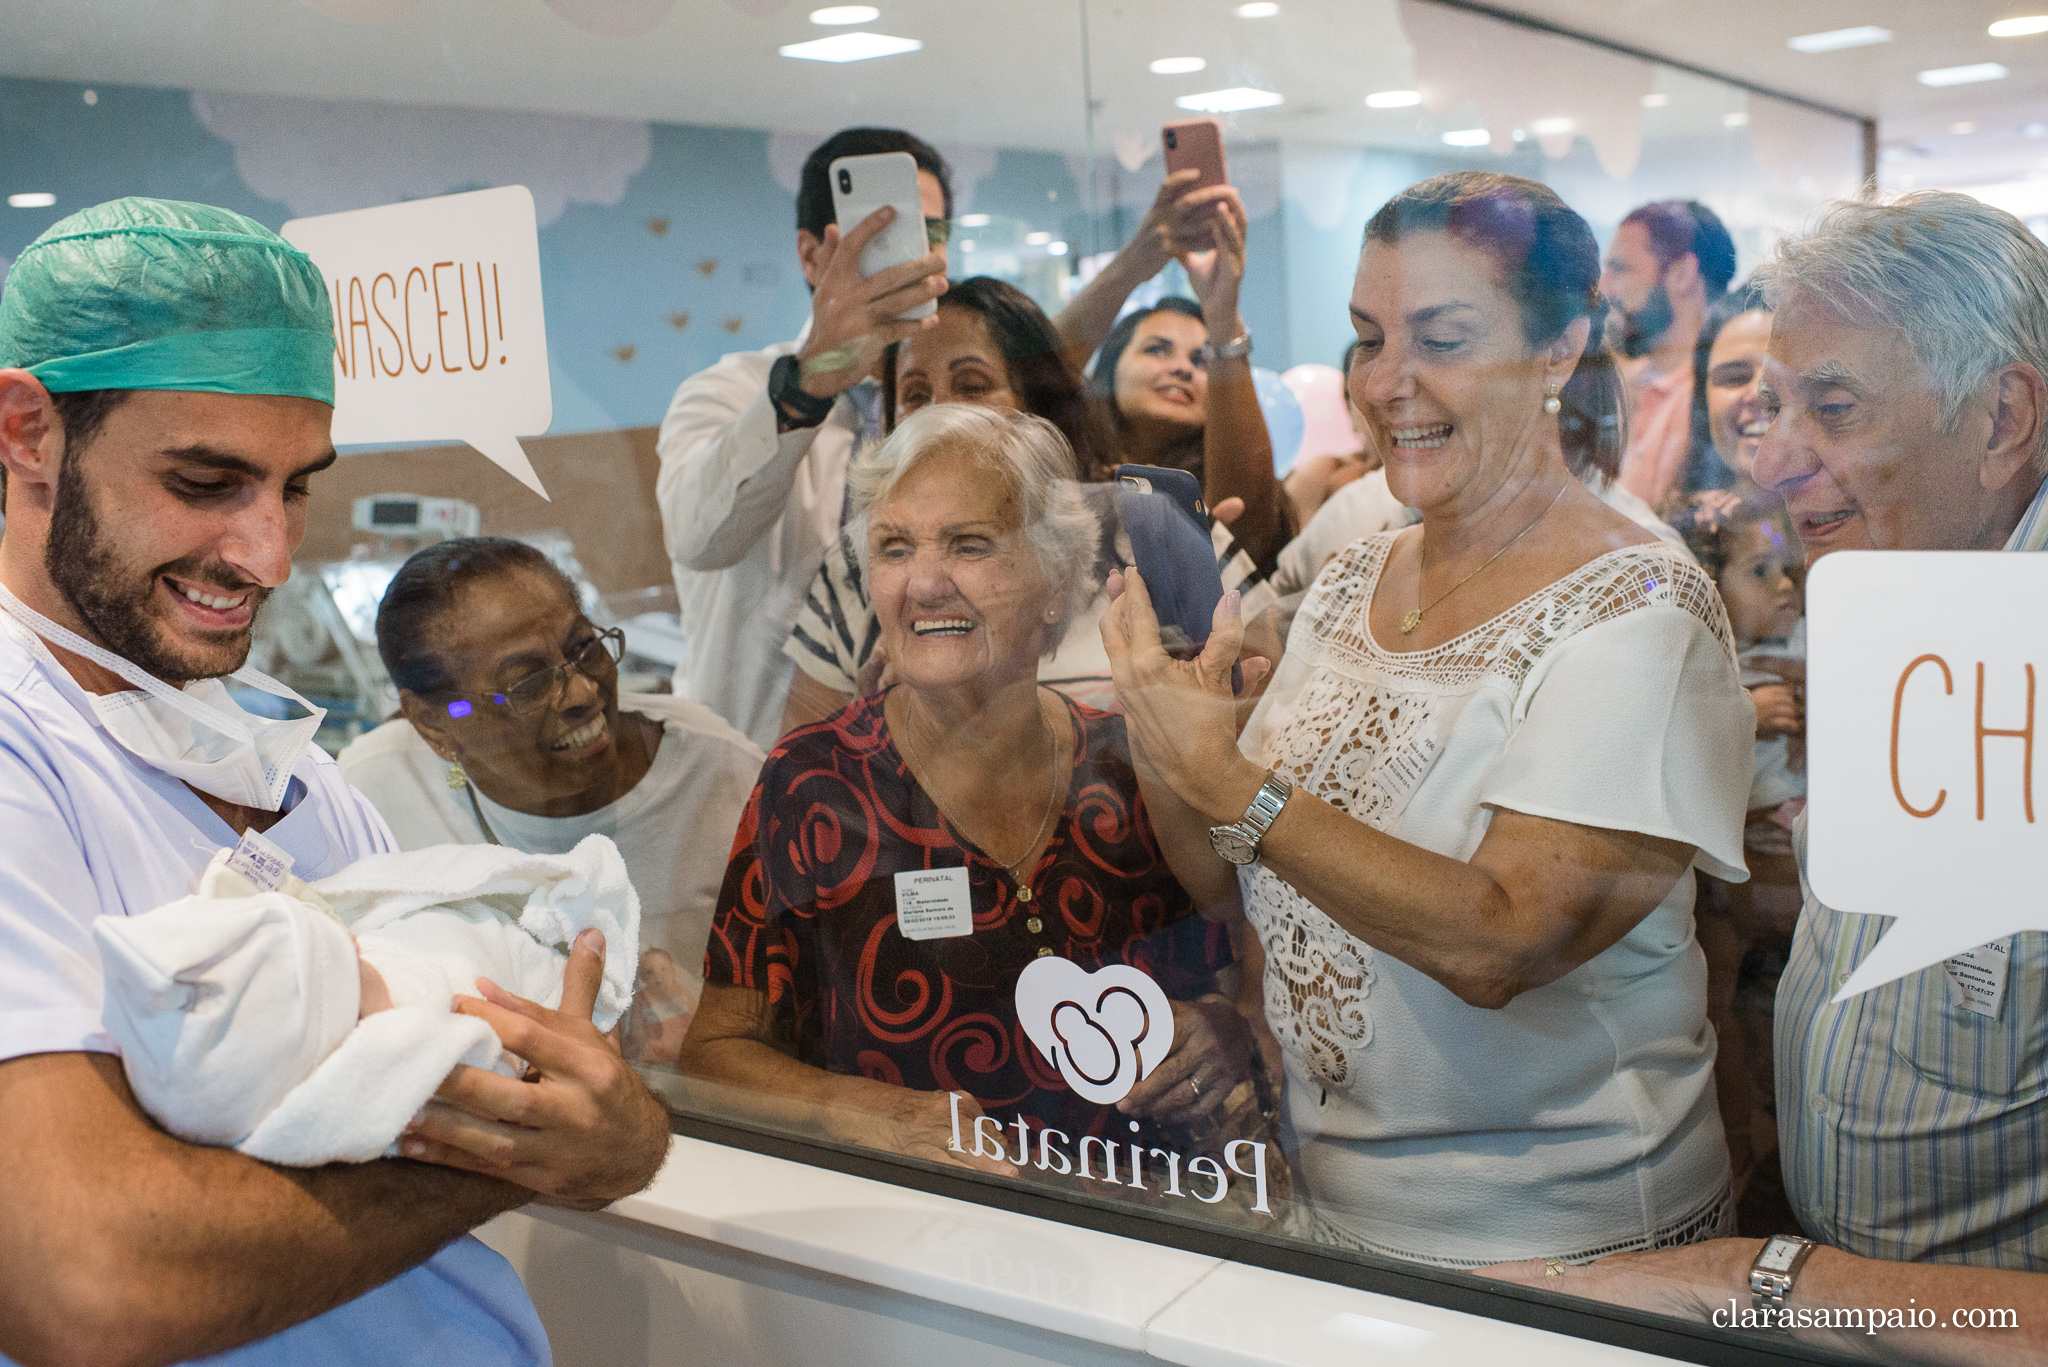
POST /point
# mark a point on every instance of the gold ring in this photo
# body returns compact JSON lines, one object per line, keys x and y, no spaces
{"x":1195,"y":1084}
{"x":1553,"y":1267}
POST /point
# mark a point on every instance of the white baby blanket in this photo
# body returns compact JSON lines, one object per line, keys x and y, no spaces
{"x":552,"y":897}
{"x":226,"y":1003}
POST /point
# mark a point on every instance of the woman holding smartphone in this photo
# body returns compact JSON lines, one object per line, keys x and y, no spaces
{"x":1464,"y":816}
{"x":1174,"y":379}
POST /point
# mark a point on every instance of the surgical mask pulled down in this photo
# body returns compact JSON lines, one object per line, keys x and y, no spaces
{"x":198,"y":734}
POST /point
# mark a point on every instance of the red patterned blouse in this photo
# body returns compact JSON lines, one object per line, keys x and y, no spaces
{"x":808,"y":915}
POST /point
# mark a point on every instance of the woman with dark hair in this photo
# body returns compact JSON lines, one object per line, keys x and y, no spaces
{"x":1174,"y":380}
{"x":512,"y":731}
{"x":1034,"y":371}
{"x":992,"y":347}
{"x":1463,"y":817}
{"x":1727,"y":399}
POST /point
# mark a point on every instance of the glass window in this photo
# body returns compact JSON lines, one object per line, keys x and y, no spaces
{"x":1404,"y":867}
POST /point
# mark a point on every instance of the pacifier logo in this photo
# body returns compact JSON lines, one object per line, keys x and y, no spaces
{"x":1103,"y":1031}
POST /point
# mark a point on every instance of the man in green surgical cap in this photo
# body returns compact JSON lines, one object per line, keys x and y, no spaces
{"x":166,"y":395}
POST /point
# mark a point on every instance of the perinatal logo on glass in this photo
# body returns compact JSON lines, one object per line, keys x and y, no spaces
{"x":1104,"y":1031}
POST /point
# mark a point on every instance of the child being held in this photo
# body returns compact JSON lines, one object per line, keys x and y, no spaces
{"x":1746,"y":545}
{"x":307,"y":1024}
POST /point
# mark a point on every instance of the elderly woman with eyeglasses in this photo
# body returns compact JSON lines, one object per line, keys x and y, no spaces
{"x":513,"y":732}
{"x":838,"y":996}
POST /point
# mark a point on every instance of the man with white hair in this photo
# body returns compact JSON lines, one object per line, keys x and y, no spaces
{"x":1909,"y":411}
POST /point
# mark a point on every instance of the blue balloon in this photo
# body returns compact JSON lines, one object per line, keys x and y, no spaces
{"x":1285,"y":423}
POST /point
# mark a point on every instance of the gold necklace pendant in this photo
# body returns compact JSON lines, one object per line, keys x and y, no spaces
{"x":1411,"y":621}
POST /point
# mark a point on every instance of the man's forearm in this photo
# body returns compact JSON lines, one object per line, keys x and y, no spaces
{"x":722,"y":487}
{"x":125,"y":1245}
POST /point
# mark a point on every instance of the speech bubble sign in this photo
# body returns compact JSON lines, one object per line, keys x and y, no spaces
{"x":438,"y":327}
{"x":1921,"y":683}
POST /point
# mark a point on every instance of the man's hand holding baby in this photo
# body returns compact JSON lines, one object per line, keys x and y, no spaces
{"x":581,"y":1130}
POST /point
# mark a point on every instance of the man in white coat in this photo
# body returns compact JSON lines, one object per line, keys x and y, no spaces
{"x":754,"y":450}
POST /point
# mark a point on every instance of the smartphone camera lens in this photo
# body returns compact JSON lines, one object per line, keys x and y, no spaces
{"x":845,"y":182}
{"x":1172,"y":140}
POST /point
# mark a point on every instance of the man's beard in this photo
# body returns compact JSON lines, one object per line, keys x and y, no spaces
{"x":1643,"y":328}
{"x":114,"y":600}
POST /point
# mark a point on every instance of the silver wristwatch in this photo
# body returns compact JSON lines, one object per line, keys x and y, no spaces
{"x":1776,"y":1268}
{"x":1239,"y":843}
{"x":1236,"y":349}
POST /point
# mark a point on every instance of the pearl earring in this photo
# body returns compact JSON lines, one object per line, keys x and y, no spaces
{"x":1052,"y":614}
{"x":1551,"y":403}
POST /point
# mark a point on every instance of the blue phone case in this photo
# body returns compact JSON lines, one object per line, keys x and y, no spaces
{"x":1174,"y":553}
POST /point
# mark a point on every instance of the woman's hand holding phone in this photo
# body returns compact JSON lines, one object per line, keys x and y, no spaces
{"x":1182,"y":217}
{"x":854,"y":318}
{"x":1217,"y":273}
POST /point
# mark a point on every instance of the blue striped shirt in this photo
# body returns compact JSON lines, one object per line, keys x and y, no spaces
{"x":1910,"y":1128}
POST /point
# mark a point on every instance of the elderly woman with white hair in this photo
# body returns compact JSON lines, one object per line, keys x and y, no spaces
{"x":840,"y":994}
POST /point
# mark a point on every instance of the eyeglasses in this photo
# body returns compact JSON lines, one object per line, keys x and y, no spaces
{"x":596,"y":659}
{"x":938,"y":231}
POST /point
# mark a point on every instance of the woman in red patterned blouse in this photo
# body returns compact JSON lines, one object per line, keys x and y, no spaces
{"x":816,"y":1004}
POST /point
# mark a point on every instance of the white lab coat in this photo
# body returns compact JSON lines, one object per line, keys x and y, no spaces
{"x":747,"y":515}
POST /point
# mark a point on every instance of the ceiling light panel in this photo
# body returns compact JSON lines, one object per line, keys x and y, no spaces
{"x":1468,"y":137}
{"x":1393,"y":99}
{"x":845,"y":14}
{"x":1231,"y":101}
{"x":1258,"y":9}
{"x":1178,"y":66}
{"x":31,"y":199}
{"x":1963,"y":75}
{"x":1835,"y":39}
{"x":850,"y":47}
{"x":2020,"y":28}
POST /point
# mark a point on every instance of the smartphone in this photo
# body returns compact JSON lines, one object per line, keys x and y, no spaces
{"x":861,"y":185}
{"x":1169,"y":530}
{"x":1197,"y":144}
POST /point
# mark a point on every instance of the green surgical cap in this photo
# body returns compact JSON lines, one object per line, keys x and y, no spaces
{"x":159,"y":294}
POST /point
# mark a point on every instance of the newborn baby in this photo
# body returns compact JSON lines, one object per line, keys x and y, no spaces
{"x":308,"y":1024}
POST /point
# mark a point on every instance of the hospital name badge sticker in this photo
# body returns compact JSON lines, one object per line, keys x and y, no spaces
{"x":933,"y":904}
{"x":261,"y":861}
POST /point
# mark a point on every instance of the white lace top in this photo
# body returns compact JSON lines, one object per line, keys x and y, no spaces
{"x":1580,"y":1119}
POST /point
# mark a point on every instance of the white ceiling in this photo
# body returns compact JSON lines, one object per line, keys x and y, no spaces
{"x":1009,"y":72}
{"x":1746,"y":39}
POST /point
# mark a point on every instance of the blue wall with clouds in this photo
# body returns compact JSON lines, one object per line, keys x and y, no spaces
{"x":681,"y":251}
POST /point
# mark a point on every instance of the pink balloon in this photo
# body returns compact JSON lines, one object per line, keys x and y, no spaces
{"x":1327,"y":419}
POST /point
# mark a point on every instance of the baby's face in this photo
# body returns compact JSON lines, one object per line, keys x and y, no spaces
{"x":376,"y":996}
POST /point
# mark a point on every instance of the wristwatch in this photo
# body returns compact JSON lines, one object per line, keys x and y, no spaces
{"x":1234,"y":350}
{"x":1776,"y":1268}
{"x":1239,"y":843}
{"x":793,"y":406}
